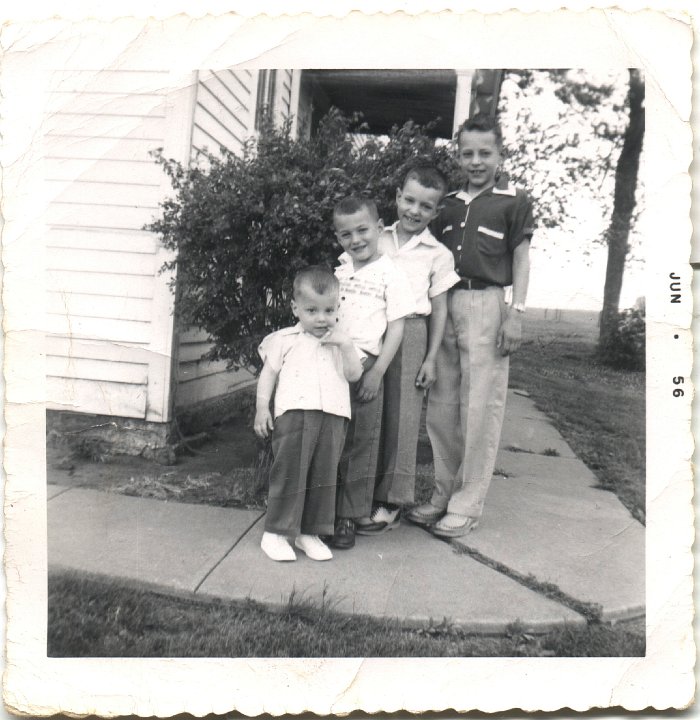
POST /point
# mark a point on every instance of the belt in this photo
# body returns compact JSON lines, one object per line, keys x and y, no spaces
{"x":472,"y":284}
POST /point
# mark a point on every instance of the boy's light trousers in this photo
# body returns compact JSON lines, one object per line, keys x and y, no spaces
{"x":467,"y":402}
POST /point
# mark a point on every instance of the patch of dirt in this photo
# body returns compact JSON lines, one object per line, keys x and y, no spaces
{"x":222,"y":471}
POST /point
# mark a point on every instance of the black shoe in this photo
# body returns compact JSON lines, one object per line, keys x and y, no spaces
{"x":344,"y":537}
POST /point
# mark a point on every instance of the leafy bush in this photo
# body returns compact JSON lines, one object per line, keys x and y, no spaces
{"x":625,"y":348}
{"x":241,"y":226}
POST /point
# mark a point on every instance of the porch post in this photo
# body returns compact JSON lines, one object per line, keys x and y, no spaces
{"x":462,"y":98}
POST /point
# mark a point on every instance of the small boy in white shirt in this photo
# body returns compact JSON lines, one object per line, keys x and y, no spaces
{"x":430,"y":268}
{"x":375,"y":297}
{"x":308,"y":367}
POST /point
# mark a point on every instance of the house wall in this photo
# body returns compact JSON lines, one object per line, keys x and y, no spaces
{"x":224,"y":116}
{"x":109,"y":311}
{"x":112,"y":349}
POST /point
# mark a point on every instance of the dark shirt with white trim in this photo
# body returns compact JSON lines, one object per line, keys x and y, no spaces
{"x":482,"y":232}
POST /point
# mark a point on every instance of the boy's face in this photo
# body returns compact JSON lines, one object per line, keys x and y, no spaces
{"x":416,"y":206}
{"x":478,"y":157}
{"x":317,"y":312}
{"x":358,"y":234}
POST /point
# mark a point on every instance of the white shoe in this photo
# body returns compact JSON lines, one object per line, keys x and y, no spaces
{"x":314,"y":547}
{"x":277,"y":547}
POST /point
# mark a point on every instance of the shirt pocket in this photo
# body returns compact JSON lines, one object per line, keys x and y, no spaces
{"x":490,"y":242}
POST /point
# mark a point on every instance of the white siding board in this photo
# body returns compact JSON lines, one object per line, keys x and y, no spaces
{"x":223,"y":104}
{"x":188,"y":371}
{"x":96,"y":261}
{"x":243,"y":80}
{"x":123,"y":352}
{"x":141,"y":172}
{"x":107,"y":126}
{"x":115,"y":81}
{"x":194,"y":335}
{"x":193,"y":352}
{"x":88,"y":369}
{"x":89,"y":396}
{"x":103,"y":193}
{"x":201,"y":389}
{"x":119,"y":217}
{"x":98,"y":329}
{"x":99,"y":306}
{"x":61,"y":146}
{"x":131,"y":241}
{"x":101,"y":103}
{"x":99,"y":283}
{"x":210,"y":133}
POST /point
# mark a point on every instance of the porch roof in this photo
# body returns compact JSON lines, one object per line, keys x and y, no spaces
{"x":388,"y":97}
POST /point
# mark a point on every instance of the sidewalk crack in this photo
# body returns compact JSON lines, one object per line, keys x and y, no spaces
{"x":227,"y":553}
{"x":592,"y":612}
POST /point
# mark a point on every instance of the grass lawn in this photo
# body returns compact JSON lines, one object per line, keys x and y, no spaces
{"x":94,"y":619}
{"x":599,"y":411}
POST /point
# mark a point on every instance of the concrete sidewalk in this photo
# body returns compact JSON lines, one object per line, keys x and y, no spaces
{"x":551,"y":548}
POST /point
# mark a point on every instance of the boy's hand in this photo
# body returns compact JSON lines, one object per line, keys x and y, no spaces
{"x":263,"y":424}
{"x":426,"y":375}
{"x":336,"y":337}
{"x":368,"y":386}
{"x":510,"y":334}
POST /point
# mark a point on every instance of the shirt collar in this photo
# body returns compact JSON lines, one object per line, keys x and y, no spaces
{"x":425,"y":236}
{"x":502,"y":187}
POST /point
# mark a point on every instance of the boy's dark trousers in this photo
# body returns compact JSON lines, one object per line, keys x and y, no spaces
{"x":306,"y":445}
{"x":359,"y":461}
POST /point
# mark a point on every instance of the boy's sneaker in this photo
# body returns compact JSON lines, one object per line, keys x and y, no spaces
{"x":384,"y":517}
{"x":277,"y":547}
{"x":426,"y":514}
{"x":344,"y":536}
{"x":313,"y":547}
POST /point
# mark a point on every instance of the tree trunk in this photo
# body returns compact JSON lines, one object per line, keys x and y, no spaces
{"x":625,"y":187}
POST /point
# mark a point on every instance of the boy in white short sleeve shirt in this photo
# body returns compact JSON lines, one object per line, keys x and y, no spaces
{"x":307,"y":367}
{"x":430,"y":268}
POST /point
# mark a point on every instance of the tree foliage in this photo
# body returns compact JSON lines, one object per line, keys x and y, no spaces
{"x":563,"y":133}
{"x":241,"y":226}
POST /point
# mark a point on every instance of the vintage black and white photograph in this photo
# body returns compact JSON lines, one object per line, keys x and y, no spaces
{"x":346,"y":361}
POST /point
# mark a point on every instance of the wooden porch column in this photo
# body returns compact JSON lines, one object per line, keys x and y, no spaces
{"x":463,"y":98}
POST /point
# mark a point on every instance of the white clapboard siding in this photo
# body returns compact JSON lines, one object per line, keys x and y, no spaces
{"x":122,"y":263}
{"x":88,"y":192}
{"x":124,"y":352}
{"x":94,"y":283}
{"x":112,"y":81}
{"x":107,"y":307}
{"x":286,"y":93}
{"x":105,"y":299}
{"x":102,"y":103}
{"x":106,"y":126}
{"x":148,"y":171}
{"x":110,"y":217}
{"x":102,"y":240}
{"x":223,"y":111}
{"x":194,"y":370}
{"x":88,"y":369}
{"x":98,"y":328}
{"x":121,"y":149}
{"x":99,"y":397}
{"x":200,"y":389}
